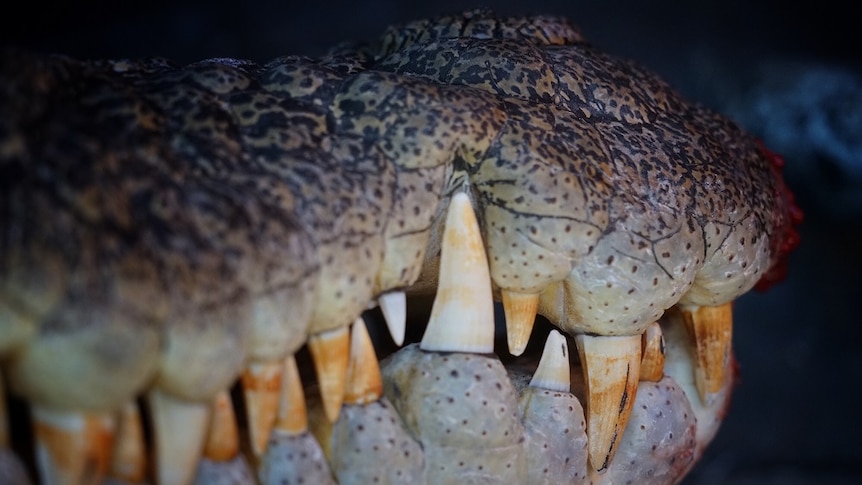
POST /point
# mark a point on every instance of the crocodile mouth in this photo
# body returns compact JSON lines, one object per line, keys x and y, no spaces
{"x":195,"y":258}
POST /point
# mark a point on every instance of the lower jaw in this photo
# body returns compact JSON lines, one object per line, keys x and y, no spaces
{"x":541,"y":437}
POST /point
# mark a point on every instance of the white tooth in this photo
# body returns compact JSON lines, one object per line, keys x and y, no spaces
{"x":462,"y":316}
{"x":364,"y":384}
{"x":261,"y":384}
{"x":330,"y":352}
{"x":611,"y":368}
{"x":179,"y":429}
{"x":553,"y":370}
{"x":222,"y":443}
{"x":711,"y":327}
{"x":520,"y":310}
{"x":292,"y":413}
{"x":652,"y":363}
{"x":129,"y":459}
{"x":72,"y":447}
{"x":394,"y":308}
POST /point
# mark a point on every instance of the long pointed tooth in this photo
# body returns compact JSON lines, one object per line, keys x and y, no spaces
{"x":72,"y":447}
{"x":364,"y":384}
{"x":712,"y":330}
{"x":330,"y":351}
{"x":292,"y":413}
{"x":179,"y":428}
{"x":222,"y":437}
{"x":520,"y":310}
{"x":553,"y":370}
{"x":394,"y":308}
{"x":611,"y":367}
{"x":462,"y":316}
{"x":652,"y":363}
{"x":129,"y":459}
{"x":261,"y":385}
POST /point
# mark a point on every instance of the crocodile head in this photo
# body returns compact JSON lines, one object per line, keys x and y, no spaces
{"x":174,"y":232}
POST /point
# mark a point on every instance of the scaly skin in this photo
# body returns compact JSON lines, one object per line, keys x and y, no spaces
{"x":163,"y":225}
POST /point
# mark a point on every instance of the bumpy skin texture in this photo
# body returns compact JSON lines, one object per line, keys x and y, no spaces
{"x":158,"y":222}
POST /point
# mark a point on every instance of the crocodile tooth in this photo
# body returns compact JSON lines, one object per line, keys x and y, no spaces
{"x":394,"y":308}
{"x":222,"y":437}
{"x":652,"y":363}
{"x":462,"y":315}
{"x":179,"y":429}
{"x":711,"y":327}
{"x":330,"y":351}
{"x":520,"y":310}
{"x":364,"y":384}
{"x":553,"y":370}
{"x":292,"y":414}
{"x":72,"y":447}
{"x":611,"y":367}
{"x":261,"y":384}
{"x":129,"y":458}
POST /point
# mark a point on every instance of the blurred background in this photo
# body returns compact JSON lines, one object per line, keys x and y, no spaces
{"x":792,"y":74}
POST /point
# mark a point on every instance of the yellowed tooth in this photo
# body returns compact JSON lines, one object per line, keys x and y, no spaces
{"x":179,"y":429}
{"x":711,"y":327}
{"x":72,"y":447}
{"x":330,"y":351}
{"x":520,"y":310}
{"x":394,"y":308}
{"x":611,"y":368}
{"x":553,"y":370}
{"x":652,"y":363}
{"x":261,"y":385}
{"x":292,"y":413}
{"x":364,"y":384}
{"x":129,"y":458}
{"x":462,"y":316}
{"x":222,"y":442}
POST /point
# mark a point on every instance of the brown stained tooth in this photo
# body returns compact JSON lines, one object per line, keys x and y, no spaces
{"x":520,"y":310}
{"x":72,"y":447}
{"x":292,"y":413}
{"x":462,"y":316}
{"x":223,"y":436}
{"x":553,"y":370}
{"x":330,"y":351}
{"x":611,"y":368}
{"x":394,"y":308}
{"x":364,"y":384}
{"x":179,"y":429}
{"x":711,"y":327}
{"x":129,"y":458}
{"x":652,"y":363}
{"x":261,"y":384}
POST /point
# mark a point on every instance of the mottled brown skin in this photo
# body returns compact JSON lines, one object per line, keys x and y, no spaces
{"x":157,"y":222}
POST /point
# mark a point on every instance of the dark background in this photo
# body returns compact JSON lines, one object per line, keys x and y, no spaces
{"x":791,"y":74}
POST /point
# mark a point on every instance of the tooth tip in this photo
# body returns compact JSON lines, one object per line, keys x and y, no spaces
{"x":129,"y":457}
{"x":553,"y":370}
{"x":653,"y":351}
{"x":364,"y":382}
{"x":180,"y":433}
{"x":394,"y":308}
{"x":292,"y":411}
{"x":520,"y":311}
{"x":711,"y":327}
{"x":330,"y":351}
{"x":72,"y":446}
{"x":222,"y":437}
{"x":611,"y":368}
{"x":462,"y":315}
{"x":261,"y":382}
